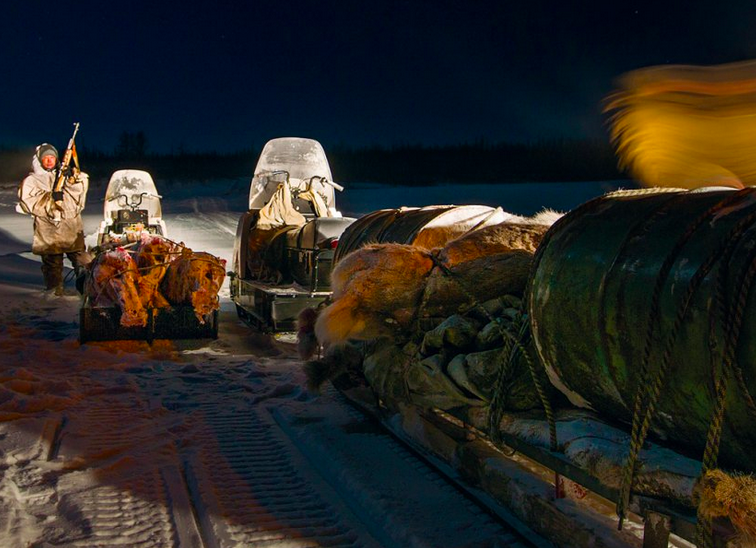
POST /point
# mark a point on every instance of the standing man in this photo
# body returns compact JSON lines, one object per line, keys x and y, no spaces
{"x":58,"y":227}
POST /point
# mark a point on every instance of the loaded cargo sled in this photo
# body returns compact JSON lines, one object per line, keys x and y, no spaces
{"x":176,"y":322}
{"x":151,"y":289}
{"x":614,"y":371}
{"x":140,"y":285}
{"x":285,"y":242}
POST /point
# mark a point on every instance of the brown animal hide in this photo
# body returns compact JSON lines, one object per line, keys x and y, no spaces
{"x":437,"y":236}
{"x":382,"y":288}
{"x":194,"y":278}
{"x":114,"y":281}
{"x":152,"y":258}
{"x":376,"y":289}
{"x":479,"y":279}
{"x":307,"y":343}
{"x":499,"y":238}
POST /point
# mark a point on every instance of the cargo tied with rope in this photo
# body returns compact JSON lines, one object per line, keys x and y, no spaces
{"x":662,"y":339}
{"x":619,"y":359}
{"x":149,"y":289}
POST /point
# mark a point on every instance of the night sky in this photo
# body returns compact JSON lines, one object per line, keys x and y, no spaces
{"x":227,"y":75}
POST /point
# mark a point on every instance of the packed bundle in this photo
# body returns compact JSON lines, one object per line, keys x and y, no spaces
{"x":194,"y":278}
{"x":114,"y":282}
{"x":152,"y":257}
{"x":381,"y":290}
{"x":645,"y":385}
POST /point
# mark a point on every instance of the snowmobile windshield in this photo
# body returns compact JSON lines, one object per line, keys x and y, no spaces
{"x":305,"y":163}
{"x":126,"y":188}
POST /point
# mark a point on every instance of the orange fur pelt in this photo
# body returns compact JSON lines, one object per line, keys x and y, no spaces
{"x":493,"y":239}
{"x":152,"y":258}
{"x":732,"y":496}
{"x":374,"y":288}
{"x":195,"y":278}
{"x":114,"y":281}
{"x":380,"y":289}
{"x":439,"y":236}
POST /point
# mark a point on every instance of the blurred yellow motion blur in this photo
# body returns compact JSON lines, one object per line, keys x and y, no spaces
{"x":687,"y":126}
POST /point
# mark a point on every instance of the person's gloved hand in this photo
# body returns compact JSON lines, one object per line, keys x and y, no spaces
{"x":81,"y":177}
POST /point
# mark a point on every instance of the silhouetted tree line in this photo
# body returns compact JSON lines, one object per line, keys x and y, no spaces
{"x":558,"y":160}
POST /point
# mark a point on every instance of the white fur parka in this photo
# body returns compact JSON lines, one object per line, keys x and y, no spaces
{"x":56,"y":229}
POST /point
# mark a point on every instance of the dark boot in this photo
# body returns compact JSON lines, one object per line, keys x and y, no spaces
{"x":80,"y":260}
{"x":52,"y":270}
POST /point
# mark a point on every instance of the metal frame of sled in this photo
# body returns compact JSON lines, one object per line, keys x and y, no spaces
{"x":176,"y":322}
{"x":432,"y":434}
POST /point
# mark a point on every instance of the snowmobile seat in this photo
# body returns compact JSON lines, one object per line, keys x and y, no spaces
{"x":317,"y":232}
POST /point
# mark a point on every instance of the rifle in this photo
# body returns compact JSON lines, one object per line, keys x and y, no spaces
{"x":64,"y":171}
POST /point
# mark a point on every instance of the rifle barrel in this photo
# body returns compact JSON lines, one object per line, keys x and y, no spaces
{"x":61,"y":179}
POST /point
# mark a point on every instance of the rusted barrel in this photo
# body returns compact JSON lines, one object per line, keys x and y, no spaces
{"x":429,"y":226}
{"x":646,"y":269}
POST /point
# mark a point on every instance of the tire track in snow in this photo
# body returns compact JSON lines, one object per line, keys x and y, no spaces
{"x":253,"y":493}
{"x":111,"y":490}
{"x":131,"y":511}
{"x":215,"y":450}
{"x":399,"y":497}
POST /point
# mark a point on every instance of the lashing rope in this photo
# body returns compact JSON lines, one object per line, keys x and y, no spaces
{"x":649,"y":388}
{"x":728,"y":363}
{"x":514,"y":346}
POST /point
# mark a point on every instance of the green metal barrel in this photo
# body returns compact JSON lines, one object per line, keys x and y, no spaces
{"x":664,"y":274}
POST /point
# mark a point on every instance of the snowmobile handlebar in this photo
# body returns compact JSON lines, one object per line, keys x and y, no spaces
{"x":325,"y":181}
{"x":133,"y":201}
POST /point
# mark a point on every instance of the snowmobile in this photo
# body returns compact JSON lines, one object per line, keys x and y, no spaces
{"x":132,"y":206}
{"x":125,"y":286}
{"x":285,"y":242}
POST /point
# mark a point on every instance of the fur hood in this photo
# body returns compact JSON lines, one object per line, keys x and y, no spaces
{"x":37,"y":168}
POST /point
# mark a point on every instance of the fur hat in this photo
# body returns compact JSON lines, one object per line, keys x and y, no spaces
{"x":46,"y":149}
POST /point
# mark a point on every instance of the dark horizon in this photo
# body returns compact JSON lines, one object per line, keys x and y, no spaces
{"x":412,"y":165}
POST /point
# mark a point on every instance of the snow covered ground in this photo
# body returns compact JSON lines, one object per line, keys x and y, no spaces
{"x":207,"y":443}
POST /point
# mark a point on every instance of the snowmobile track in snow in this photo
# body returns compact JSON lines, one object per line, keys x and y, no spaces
{"x":214,"y":451}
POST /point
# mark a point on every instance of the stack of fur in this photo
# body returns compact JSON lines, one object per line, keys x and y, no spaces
{"x":429,"y":328}
{"x":387,"y":290}
{"x":446,"y":313}
{"x":156,"y":274}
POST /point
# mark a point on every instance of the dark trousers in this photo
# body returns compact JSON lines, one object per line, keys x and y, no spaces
{"x":52,"y":267}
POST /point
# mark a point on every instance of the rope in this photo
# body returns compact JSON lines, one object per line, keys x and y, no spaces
{"x":513,"y":348}
{"x":736,"y":312}
{"x":743,"y":284}
{"x":181,"y":251}
{"x":496,"y":407}
{"x":649,"y":388}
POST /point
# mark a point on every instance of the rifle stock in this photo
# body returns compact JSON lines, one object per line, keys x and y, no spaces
{"x":63,"y":171}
